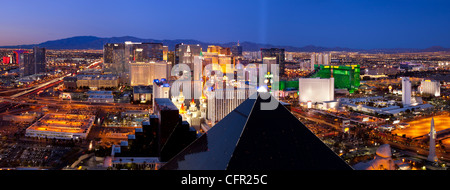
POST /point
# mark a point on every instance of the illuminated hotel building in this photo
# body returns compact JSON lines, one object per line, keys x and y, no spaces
{"x":406,"y":91}
{"x":116,"y":60}
{"x":220,"y":56}
{"x":277,"y":53}
{"x":312,"y":62}
{"x":431,"y":87}
{"x":31,"y":63}
{"x":97,"y":81}
{"x":143,"y":73}
{"x":213,"y":49}
{"x":25,"y":64}
{"x":236,"y":50}
{"x":38,"y":60}
{"x":320,"y":59}
{"x":145,"y":52}
{"x":269,"y":61}
{"x":222,"y":101}
{"x":165,"y":53}
{"x":161,"y":89}
{"x":198,"y":68}
{"x":184,"y":53}
{"x":316,"y":89}
{"x":345,"y":76}
{"x":118,"y":56}
{"x":140,"y":74}
{"x":274,"y":52}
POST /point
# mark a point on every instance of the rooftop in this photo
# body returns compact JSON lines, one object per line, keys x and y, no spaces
{"x":142,"y":89}
{"x":165,"y":104}
{"x":97,"y":77}
{"x":69,"y":123}
{"x":250,"y":138}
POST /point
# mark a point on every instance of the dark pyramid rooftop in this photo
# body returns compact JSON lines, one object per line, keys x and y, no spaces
{"x":253,"y":139}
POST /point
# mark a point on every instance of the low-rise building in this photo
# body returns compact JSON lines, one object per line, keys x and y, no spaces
{"x":100,"y":96}
{"x":142,"y":94}
{"x":61,"y":126}
{"x":97,"y":81}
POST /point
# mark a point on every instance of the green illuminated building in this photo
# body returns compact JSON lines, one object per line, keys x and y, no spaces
{"x":345,"y":76}
{"x":288,"y":85}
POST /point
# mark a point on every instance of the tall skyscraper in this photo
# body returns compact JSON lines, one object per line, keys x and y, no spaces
{"x":116,"y":60}
{"x":26,"y":65}
{"x":39,"y":60}
{"x":326,"y":59}
{"x":32,"y":63}
{"x":145,"y":52}
{"x":185,"y":53}
{"x":118,"y":56}
{"x":198,"y":68}
{"x":274,"y":52}
{"x":222,"y":101}
{"x":320,"y":59}
{"x":161,"y":89}
{"x":277,"y":53}
{"x":432,"y":152}
{"x":269,"y":61}
{"x":313,"y":61}
{"x":236,"y":50}
{"x":143,"y":73}
{"x":316,"y":89}
{"x":406,"y":91}
{"x":165,"y":53}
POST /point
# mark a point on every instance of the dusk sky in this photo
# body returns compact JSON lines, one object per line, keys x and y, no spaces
{"x":362,"y":24}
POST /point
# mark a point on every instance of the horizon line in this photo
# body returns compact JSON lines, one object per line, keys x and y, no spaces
{"x":240,"y":42}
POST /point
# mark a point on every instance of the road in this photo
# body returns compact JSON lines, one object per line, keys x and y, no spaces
{"x":74,"y":104}
{"x":417,"y":150}
{"x":42,"y":86}
{"x":336,"y":126}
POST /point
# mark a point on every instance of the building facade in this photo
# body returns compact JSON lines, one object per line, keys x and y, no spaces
{"x":97,"y":81}
{"x":278,"y":54}
{"x":316,"y":89}
{"x":236,"y":50}
{"x":143,"y":73}
{"x":222,"y":101}
{"x":32,"y":63}
{"x":184,"y":53}
{"x":406,"y":91}
{"x":430,"y":87}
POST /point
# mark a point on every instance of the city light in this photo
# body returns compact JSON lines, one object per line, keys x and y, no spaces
{"x":251,"y":92}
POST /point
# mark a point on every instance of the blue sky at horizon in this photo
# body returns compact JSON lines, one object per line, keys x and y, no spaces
{"x":360,"y":24}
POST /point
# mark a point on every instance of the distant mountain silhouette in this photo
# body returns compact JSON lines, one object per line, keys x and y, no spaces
{"x":435,"y":49}
{"x":93,"y":42}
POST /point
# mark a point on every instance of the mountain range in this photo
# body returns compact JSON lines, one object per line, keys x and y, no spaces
{"x":93,"y":42}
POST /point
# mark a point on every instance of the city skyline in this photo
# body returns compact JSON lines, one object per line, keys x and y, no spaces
{"x":351,"y":24}
{"x":257,"y":85}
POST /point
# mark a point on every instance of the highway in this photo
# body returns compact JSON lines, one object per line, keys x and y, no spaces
{"x":336,"y":126}
{"x":45,"y":85}
{"x":70,"y":103}
{"x":40,"y":86}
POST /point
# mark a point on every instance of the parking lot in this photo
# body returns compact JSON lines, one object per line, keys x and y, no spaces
{"x":13,"y":154}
